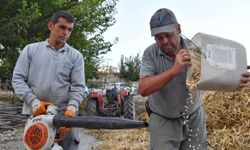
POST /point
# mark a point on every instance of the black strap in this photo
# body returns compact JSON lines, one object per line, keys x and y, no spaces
{"x":149,"y":111}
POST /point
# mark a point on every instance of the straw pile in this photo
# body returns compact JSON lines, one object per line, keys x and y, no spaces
{"x":228,"y":119}
{"x":228,"y":125}
{"x":129,"y":139}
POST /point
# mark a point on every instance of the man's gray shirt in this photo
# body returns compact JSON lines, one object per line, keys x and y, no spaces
{"x":48,"y":74}
{"x":171,"y":100}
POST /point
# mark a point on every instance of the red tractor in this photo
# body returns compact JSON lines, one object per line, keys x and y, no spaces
{"x":115,"y":102}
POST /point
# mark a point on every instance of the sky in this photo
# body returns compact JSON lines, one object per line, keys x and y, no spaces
{"x":228,"y":19}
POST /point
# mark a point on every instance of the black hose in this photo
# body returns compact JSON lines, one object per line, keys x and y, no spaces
{"x":95,"y":122}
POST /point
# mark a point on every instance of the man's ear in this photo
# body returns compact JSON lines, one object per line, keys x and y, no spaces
{"x":179,"y":29}
{"x":50,"y":25}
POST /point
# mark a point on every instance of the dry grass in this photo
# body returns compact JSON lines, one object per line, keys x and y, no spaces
{"x":130,"y":139}
{"x":228,"y":119}
{"x":228,"y":125}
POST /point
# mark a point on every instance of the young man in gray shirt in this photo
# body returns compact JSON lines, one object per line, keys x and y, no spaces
{"x":50,"y":74}
{"x":177,"y":121}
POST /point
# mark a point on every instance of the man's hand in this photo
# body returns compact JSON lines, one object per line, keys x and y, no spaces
{"x":245,"y":80}
{"x":182,"y":60}
{"x":39,"y":107}
{"x":69,"y":112}
{"x":52,"y":110}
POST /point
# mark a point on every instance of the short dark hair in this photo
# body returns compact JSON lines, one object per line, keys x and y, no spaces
{"x":62,"y":14}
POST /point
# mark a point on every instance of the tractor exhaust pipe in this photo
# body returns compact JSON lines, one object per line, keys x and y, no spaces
{"x":95,"y":122}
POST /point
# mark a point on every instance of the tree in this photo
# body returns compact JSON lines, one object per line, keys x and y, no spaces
{"x":129,"y":67}
{"x":122,"y":69}
{"x":25,"y":21}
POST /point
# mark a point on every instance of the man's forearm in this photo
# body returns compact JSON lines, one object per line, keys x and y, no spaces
{"x":76,"y":95}
{"x":150,"y":84}
{"x":22,"y":90}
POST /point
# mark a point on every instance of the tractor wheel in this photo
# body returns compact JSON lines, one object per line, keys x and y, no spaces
{"x":92,"y":107}
{"x":129,"y":107}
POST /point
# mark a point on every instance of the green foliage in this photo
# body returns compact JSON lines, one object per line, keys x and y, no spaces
{"x":25,"y":21}
{"x":129,"y":68}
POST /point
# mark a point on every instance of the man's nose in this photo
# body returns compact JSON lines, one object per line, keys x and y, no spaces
{"x":66,"y":32}
{"x":165,"y":40}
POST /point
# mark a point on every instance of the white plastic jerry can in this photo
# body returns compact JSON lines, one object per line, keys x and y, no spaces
{"x":217,"y":63}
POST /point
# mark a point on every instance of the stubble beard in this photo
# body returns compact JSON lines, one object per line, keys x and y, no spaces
{"x":169,"y":50}
{"x":173,"y":49}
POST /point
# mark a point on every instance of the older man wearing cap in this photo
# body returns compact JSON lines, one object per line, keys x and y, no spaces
{"x":176,"y":122}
